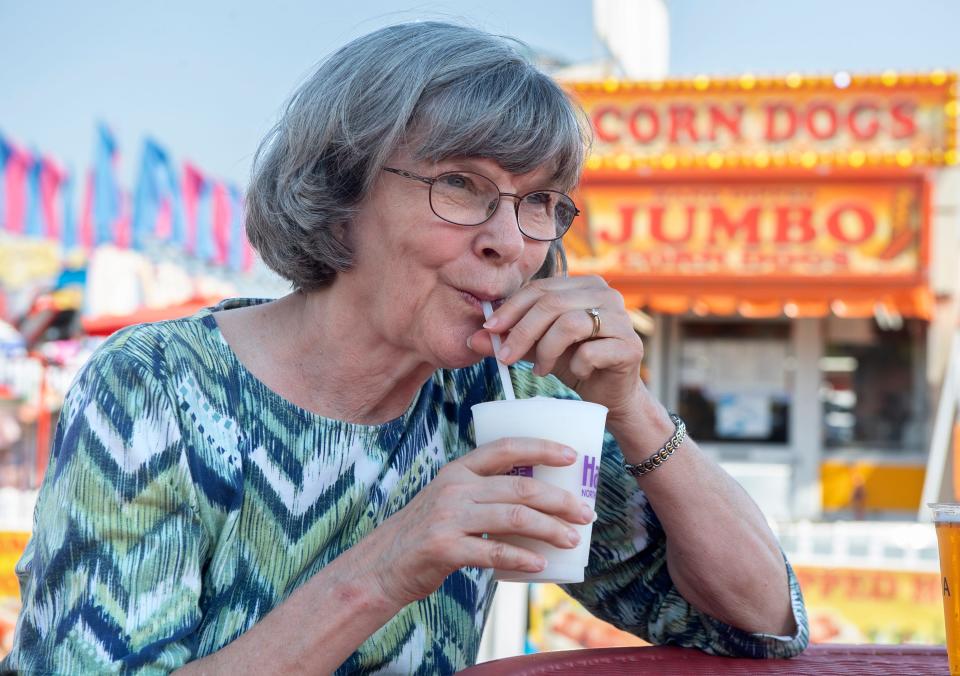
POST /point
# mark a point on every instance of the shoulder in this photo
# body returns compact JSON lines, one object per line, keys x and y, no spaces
{"x":154,"y":348}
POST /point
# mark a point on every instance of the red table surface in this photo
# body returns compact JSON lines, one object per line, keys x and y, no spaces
{"x":818,"y":659}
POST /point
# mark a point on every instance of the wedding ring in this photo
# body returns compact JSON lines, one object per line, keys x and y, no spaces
{"x":594,"y":313}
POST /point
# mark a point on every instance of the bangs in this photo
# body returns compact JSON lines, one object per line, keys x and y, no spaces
{"x":512,"y":114}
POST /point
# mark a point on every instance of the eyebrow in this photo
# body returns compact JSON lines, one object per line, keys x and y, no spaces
{"x":471,"y":163}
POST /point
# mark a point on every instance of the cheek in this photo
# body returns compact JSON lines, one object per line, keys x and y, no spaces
{"x":534,"y":257}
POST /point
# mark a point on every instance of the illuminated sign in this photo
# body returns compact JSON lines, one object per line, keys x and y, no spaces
{"x":836,"y":228}
{"x":888,"y":120}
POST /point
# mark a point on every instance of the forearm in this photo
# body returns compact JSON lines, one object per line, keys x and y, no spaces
{"x":314,"y":630}
{"x":720,"y":553}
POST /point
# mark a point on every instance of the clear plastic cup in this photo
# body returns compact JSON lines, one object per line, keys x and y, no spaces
{"x":946,"y":518}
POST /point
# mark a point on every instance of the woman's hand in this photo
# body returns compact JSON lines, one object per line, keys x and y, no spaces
{"x":547,"y":323}
{"x":441,"y":529}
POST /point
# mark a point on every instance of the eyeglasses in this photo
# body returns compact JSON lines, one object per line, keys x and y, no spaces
{"x":467,"y":198}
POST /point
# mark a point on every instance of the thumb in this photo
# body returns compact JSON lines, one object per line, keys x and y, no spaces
{"x":480,"y":343}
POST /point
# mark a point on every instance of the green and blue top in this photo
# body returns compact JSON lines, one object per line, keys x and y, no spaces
{"x":184,"y":500}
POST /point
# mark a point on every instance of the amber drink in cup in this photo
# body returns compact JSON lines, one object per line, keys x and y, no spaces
{"x":946,"y":518}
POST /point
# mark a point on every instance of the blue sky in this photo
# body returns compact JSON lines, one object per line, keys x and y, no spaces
{"x":207,"y":78}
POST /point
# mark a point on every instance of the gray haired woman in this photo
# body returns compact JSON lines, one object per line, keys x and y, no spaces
{"x":294,"y":485}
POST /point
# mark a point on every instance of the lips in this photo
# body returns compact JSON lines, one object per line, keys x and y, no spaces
{"x":475,"y":298}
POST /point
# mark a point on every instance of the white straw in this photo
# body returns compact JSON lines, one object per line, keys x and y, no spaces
{"x":501,"y":367}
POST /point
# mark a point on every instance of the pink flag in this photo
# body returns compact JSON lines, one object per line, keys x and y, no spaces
{"x":221,"y":222}
{"x":16,"y":190}
{"x":50,"y":178}
{"x":86,"y":214}
{"x":193,"y":181}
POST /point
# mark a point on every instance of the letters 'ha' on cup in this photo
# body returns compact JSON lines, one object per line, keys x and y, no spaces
{"x":577,"y":424}
{"x":946,"y":518}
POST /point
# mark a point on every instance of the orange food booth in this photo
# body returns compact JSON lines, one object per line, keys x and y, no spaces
{"x":778,"y":239}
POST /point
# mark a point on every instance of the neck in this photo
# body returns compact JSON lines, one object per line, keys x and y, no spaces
{"x":339,"y":366}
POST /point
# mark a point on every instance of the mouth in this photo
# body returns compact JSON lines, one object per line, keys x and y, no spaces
{"x":476,"y":298}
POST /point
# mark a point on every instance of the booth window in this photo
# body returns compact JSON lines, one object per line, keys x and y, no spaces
{"x":873,"y":386}
{"x":735,"y":380}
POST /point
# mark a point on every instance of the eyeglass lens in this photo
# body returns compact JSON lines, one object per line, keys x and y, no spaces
{"x":470,"y":199}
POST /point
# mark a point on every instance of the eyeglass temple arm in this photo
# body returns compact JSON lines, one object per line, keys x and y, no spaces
{"x":407,"y":174}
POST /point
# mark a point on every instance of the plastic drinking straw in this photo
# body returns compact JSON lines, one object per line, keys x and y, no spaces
{"x":501,"y":367}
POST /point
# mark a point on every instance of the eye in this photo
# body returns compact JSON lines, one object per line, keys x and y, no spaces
{"x":457,"y":182}
{"x":542,"y":198}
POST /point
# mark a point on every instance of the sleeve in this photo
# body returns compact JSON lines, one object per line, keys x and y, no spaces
{"x":110,"y":580}
{"x":627,"y":582}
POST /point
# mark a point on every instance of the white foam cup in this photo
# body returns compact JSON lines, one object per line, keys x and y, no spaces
{"x":577,"y":424}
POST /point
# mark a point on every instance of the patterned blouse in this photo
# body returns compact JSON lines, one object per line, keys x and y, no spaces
{"x":184,"y":500}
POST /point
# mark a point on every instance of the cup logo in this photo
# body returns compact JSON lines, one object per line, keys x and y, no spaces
{"x":591,"y":475}
{"x":521,"y":470}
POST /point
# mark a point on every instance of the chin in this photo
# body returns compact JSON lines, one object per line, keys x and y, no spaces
{"x":455,"y":354}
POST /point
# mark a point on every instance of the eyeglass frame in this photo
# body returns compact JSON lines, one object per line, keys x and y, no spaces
{"x":516,"y":205}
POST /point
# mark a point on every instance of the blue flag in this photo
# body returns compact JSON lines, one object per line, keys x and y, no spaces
{"x":238,"y":234}
{"x":156,"y":186}
{"x":106,"y":190}
{"x":34,"y":227}
{"x":69,"y":234}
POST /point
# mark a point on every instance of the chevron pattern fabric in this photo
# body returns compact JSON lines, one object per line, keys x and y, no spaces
{"x":184,"y":500}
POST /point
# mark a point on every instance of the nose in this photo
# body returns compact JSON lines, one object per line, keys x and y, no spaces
{"x":499,"y":239}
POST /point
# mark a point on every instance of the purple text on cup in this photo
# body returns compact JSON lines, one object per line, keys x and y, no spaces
{"x":591,"y":475}
{"x":521,"y":470}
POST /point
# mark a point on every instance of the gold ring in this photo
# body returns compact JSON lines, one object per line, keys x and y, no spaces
{"x":594,"y":313}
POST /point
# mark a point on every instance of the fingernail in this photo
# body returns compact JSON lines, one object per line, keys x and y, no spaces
{"x":504,"y":353}
{"x":469,"y":342}
{"x":573,"y":536}
{"x":490,"y":323}
{"x":538,"y":564}
{"x":569,"y":454}
{"x":587,"y":513}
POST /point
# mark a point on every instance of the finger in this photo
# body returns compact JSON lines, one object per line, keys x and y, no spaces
{"x":517,"y":305}
{"x":501,"y":555}
{"x":539,"y":317}
{"x":616,"y":338}
{"x":499,"y":457}
{"x":521,"y":520}
{"x":570,"y":329}
{"x":597,"y":355}
{"x":535,"y":494}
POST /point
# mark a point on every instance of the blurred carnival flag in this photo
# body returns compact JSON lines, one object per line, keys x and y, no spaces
{"x":206,"y":210}
{"x":106,"y":214}
{"x":240,"y":253}
{"x":51,"y":182}
{"x":43,"y":185}
{"x":69,"y":234}
{"x":157,"y":207}
{"x":34,"y":222}
{"x":14,"y":167}
{"x":194,"y":184}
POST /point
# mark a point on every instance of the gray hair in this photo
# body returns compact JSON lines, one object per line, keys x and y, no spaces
{"x":441,"y":90}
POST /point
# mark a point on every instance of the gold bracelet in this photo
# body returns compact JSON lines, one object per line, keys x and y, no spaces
{"x":660,"y":457}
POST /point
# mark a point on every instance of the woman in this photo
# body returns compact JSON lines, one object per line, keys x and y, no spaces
{"x":293,"y":485}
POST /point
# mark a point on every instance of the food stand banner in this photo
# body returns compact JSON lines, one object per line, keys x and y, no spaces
{"x":842,"y":120}
{"x":847,"y":605}
{"x":840,"y":228}
{"x":844,"y":605}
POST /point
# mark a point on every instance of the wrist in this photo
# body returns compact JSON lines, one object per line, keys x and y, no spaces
{"x":641,"y":428}
{"x":364,"y":584}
